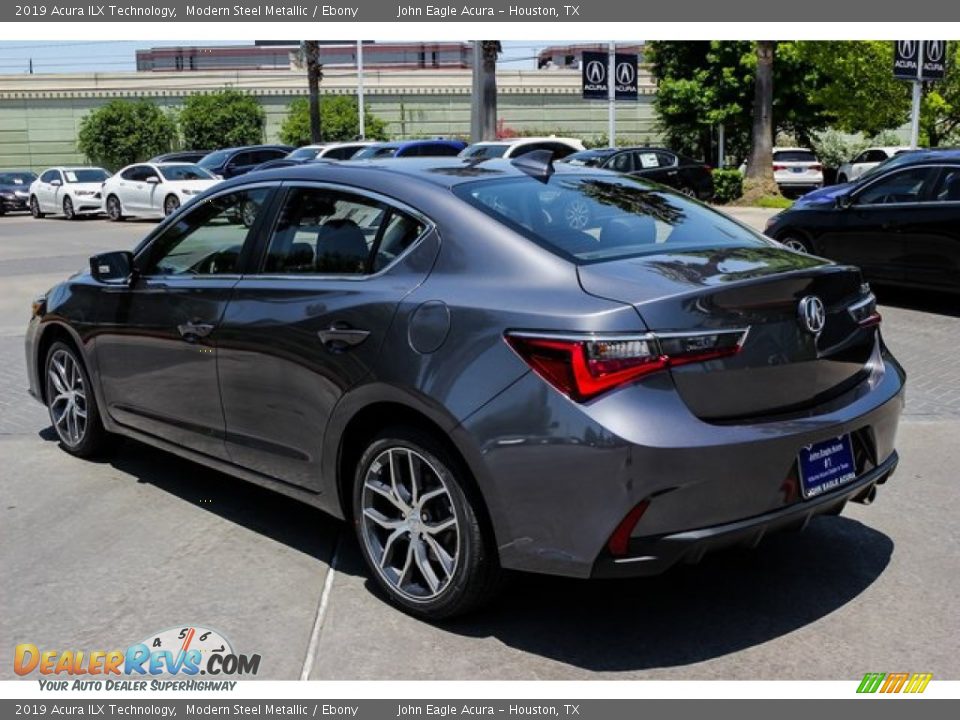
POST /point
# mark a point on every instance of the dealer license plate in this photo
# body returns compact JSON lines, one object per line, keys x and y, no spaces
{"x":825,"y":466}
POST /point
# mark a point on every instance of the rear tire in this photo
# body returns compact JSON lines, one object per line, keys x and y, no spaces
{"x":71,"y":402}
{"x":35,"y":208}
{"x":795,"y":242}
{"x":416,"y":515}
{"x":114,"y":208}
{"x":170,"y":205}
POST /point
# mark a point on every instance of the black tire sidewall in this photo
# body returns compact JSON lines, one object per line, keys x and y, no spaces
{"x":114,"y":201}
{"x":35,"y":203}
{"x":71,"y":213}
{"x":95,"y":435}
{"x":468,"y":587}
{"x":167,"y":203}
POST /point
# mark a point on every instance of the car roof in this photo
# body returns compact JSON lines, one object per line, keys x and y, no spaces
{"x":524,"y":140}
{"x":923,"y":156}
{"x":447,"y":172}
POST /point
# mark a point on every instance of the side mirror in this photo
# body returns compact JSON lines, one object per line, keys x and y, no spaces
{"x":153,"y":180}
{"x":844,"y":201}
{"x":56,"y":183}
{"x":115,"y":268}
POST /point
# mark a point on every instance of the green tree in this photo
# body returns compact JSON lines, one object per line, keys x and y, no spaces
{"x":339,"y":119}
{"x":225,"y":118}
{"x":703,"y":84}
{"x":125,"y":131}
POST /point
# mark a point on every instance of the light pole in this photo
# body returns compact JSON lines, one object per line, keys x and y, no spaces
{"x":612,"y":95}
{"x":360,"y":123}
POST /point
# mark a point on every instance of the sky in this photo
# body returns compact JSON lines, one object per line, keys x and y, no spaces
{"x":119,"y":55}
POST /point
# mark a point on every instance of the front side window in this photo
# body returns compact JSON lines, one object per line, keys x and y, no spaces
{"x":49,"y":176}
{"x":209,"y":239}
{"x":329,"y":232}
{"x":598,"y":218}
{"x":906,"y":186}
{"x":621,"y":162}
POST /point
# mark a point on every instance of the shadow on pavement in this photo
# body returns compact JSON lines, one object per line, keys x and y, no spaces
{"x":268,"y":513}
{"x":731,"y":601}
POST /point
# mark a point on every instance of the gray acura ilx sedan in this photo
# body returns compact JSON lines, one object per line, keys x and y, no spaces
{"x":483,"y":365}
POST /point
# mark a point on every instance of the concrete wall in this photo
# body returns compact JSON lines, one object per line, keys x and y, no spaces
{"x":40,"y":114}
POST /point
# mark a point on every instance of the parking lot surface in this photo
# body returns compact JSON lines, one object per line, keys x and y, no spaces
{"x":101,"y":554}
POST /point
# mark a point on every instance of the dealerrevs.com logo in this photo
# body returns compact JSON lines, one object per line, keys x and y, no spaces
{"x":186,"y":652}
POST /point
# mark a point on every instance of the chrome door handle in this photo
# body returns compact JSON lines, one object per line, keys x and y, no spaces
{"x":191,"y":332}
{"x":340,"y":336}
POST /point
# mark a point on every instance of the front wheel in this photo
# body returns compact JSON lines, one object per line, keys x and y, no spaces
{"x":68,"y":211}
{"x":417,"y":521}
{"x":171,"y":205}
{"x":71,"y":403}
{"x":35,"y":208}
{"x":795,"y":243}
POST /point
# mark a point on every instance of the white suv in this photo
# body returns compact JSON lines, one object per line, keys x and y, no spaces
{"x":67,"y":191}
{"x":797,"y":169}
{"x":867,"y":160}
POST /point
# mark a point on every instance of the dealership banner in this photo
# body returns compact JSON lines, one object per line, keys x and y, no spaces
{"x":460,"y":709}
{"x":574,"y":11}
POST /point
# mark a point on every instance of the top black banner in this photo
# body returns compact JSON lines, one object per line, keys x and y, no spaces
{"x":484,"y":11}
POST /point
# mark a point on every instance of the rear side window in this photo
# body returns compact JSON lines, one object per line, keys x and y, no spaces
{"x":329,"y":232}
{"x":598,"y":218}
{"x":948,"y":188}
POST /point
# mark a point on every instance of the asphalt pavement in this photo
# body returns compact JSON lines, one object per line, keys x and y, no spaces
{"x":101,"y":554}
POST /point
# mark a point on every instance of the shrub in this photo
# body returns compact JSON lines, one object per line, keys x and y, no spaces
{"x":339,"y":120}
{"x":727,"y":186}
{"x":125,"y":131}
{"x":225,"y":118}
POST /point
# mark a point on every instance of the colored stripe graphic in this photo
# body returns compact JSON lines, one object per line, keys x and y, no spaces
{"x":894,"y":682}
{"x":871,"y":682}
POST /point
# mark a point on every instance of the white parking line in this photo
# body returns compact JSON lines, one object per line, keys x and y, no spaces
{"x":314,"y":643}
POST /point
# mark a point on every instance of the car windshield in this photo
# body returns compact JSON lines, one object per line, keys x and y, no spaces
{"x":17,"y":178}
{"x":214,"y":159}
{"x":304,"y":153}
{"x":86,"y":175}
{"x":598,"y":218}
{"x":484,"y":152}
{"x":794,"y":156}
{"x":184,"y":172}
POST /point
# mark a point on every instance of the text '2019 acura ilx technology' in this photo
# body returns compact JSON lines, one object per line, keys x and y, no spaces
{"x":483,"y":365}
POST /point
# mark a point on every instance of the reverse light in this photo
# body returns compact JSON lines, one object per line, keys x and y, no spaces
{"x":584,"y":366}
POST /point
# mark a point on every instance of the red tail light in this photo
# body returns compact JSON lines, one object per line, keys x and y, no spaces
{"x":778,"y":168}
{"x":583,"y":367}
{"x":864,"y":312}
{"x":818,"y":168}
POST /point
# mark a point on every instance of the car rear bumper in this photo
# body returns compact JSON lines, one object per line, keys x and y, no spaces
{"x":557,"y":486}
{"x":654,"y":555}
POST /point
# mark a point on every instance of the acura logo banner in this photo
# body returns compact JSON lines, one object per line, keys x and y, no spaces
{"x":594,"y":69}
{"x":930,"y":54}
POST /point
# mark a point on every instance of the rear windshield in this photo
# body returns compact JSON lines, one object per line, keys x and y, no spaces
{"x":590,"y":158}
{"x":185,"y":172}
{"x":598,"y":218}
{"x":375,"y":151}
{"x":794,"y":156}
{"x":483,"y":152}
{"x":90,"y":175}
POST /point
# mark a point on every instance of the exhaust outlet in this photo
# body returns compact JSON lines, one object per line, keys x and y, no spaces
{"x":867,"y":496}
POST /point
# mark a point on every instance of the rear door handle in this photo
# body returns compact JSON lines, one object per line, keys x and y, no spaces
{"x":191,"y":332}
{"x":341,"y":336}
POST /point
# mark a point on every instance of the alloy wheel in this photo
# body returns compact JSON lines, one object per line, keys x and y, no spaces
{"x":689,"y":192}
{"x":113,"y":208}
{"x":410,"y":525}
{"x":67,"y":398}
{"x":794,"y":244}
{"x":68,"y":208}
{"x":35,"y":207}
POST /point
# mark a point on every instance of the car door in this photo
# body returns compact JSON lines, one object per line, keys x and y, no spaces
{"x":859,"y":165}
{"x":931,"y":235}
{"x":649,"y":164}
{"x":239,"y":164}
{"x":884,"y":214}
{"x":157,"y":342}
{"x":124,"y":188}
{"x":310,"y":324}
{"x":137,"y":191}
{"x":51,"y":185}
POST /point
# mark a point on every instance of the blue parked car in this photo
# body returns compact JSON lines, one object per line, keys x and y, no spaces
{"x":411,"y":148}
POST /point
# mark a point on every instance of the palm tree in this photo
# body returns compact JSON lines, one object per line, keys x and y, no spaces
{"x":760,"y":165}
{"x":311,"y":51}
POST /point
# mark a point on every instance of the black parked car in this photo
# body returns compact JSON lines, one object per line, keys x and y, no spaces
{"x":15,"y":190}
{"x":184,"y":156}
{"x":900,"y":223}
{"x":231,"y":162}
{"x":691,"y":177}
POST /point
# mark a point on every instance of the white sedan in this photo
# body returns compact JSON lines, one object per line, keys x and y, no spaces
{"x":867,"y":160}
{"x":153,"y":189}
{"x":67,"y":191}
{"x":515,"y":147}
